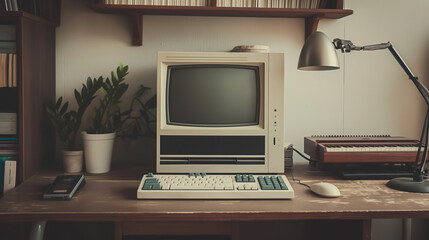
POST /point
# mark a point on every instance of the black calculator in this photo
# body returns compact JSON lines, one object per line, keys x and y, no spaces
{"x":64,"y":187}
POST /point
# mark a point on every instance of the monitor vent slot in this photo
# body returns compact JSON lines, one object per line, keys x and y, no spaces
{"x":212,"y":160}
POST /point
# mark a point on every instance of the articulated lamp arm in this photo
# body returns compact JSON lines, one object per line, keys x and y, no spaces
{"x":348,"y":46}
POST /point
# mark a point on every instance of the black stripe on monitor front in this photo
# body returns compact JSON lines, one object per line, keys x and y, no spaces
{"x":212,"y":145}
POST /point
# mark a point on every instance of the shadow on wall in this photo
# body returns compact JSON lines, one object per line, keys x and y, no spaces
{"x":140,"y":151}
{"x":424,"y":78}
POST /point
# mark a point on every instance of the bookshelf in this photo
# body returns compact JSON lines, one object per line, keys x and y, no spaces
{"x":34,"y":45}
{"x":47,"y":10}
{"x":333,"y":10}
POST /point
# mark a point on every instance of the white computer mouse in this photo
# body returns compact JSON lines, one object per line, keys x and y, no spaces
{"x":325,"y":189}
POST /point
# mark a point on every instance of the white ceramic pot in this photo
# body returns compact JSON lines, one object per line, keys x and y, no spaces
{"x":98,"y":151}
{"x":72,"y":161}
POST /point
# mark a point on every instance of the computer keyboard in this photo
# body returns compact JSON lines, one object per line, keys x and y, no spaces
{"x":214,"y":186}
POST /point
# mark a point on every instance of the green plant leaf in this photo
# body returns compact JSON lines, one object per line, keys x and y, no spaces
{"x":114,"y":78}
{"x":128,"y":112}
{"x":89,"y":83}
{"x":58,"y":103}
{"x":98,"y":83}
{"x":64,"y":108}
{"x":140,"y":91}
{"x":113,"y":109}
{"x":151,"y":103}
{"x":50,"y":111}
{"x":122,"y":88}
{"x":107,"y":114}
{"x":84,"y":92}
{"x":78,"y":97}
{"x":103,"y":91}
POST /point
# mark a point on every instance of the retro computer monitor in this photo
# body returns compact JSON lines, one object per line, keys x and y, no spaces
{"x":220,"y":112}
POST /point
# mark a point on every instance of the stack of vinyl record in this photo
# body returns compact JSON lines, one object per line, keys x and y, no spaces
{"x":251,"y":48}
{"x":288,"y":155}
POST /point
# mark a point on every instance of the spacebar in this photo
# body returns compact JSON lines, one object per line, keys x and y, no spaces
{"x":191,"y":187}
{"x":199,"y":188}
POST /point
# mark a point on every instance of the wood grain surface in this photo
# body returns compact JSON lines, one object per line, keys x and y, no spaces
{"x":112,"y":197}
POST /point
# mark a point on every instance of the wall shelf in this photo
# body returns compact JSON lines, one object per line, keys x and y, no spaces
{"x":311,"y":16}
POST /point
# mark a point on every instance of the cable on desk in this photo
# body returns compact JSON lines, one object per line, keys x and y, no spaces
{"x":297,"y":180}
{"x":302,"y":155}
{"x":291,"y":169}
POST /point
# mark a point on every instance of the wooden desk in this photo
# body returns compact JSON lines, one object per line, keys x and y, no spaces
{"x":112,"y":197}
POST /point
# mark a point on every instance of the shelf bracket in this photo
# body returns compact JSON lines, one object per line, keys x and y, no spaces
{"x":137,"y":28}
{"x":311,"y":25}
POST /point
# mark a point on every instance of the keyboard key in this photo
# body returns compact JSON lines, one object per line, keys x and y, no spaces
{"x":251,"y":178}
{"x":245,"y":178}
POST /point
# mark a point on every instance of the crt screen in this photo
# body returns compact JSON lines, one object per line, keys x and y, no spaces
{"x":213,"y":95}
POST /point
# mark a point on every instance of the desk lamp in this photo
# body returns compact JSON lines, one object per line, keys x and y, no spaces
{"x":319,"y":53}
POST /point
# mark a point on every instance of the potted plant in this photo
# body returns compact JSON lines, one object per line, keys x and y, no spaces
{"x":67,"y":122}
{"x":109,"y":121}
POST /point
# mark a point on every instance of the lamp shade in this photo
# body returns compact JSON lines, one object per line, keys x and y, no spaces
{"x":318,"y":53}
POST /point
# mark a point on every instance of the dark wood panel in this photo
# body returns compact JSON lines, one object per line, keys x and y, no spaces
{"x":177,"y":228}
{"x":36,"y":82}
{"x":9,"y":231}
{"x":338,"y":229}
{"x":15,"y":16}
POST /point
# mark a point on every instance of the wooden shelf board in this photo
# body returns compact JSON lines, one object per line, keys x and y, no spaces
{"x":312,"y":16}
{"x":221,"y":11}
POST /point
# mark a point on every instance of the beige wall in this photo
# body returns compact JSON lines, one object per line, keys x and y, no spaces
{"x":370,"y":94}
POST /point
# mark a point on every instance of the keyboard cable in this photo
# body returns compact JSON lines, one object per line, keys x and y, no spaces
{"x":291,"y":170}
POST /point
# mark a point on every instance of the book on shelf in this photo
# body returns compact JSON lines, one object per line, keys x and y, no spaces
{"x":7,"y":174}
{"x":9,"y":5}
{"x":7,"y":46}
{"x":12,"y":152}
{"x":7,"y":124}
{"x":8,"y":75}
{"x":7,"y":38}
{"x":4,"y":124}
{"x":14,"y":81}
{"x":8,"y":130}
{"x":309,"y":4}
{"x":10,"y":70}
{"x":8,"y":145}
{"x":7,"y":32}
{"x":187,"y":3}
{"x":2,"y":161}
{"x":9,"y":179}
{"x":3,"y":69}
{"x":30,"y":6}
{"x":8,"y":138}
{"x":8,"y":116}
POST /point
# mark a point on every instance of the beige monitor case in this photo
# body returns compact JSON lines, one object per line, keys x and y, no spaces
{"x":268,"y":133}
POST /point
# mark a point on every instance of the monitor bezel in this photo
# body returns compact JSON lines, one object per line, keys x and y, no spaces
{"x":237,"y":66}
